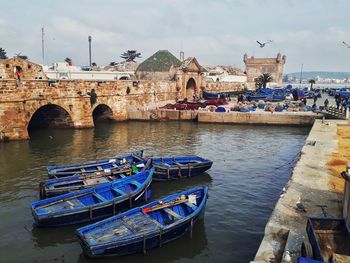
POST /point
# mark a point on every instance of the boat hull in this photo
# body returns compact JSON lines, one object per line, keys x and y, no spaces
{"x":143,"y":245}
{"x":138,"y":242}
{"x":95,"y":203}
{"x":94,"y":214}
{"x":162,"y":173}
{"x":92,"y":166}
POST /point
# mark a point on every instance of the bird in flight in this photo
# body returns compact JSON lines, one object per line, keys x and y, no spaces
{"x":346,"y":44}
{"x":263,"y":44}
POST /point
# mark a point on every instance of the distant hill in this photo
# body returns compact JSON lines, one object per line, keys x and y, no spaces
{"x":322,"y":74}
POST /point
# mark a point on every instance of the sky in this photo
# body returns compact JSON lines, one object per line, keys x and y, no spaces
{"x":216,"y":32}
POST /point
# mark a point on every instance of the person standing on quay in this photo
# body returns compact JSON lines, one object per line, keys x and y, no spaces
{"x":326,"y":102}
{"x":315,"y":98}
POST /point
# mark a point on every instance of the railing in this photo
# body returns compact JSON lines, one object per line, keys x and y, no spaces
{"x":338,"y":113}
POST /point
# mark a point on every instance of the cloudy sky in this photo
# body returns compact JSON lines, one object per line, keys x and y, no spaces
{"x":214,"y":31}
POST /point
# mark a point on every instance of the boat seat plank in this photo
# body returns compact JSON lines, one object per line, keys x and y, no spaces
{"x":122,"y":175}
{"x":171,"y":212}
{"x":135,"y":183}
{"x":119,"y":191}
{"x":114,"y":165}
{"x":99,"y":168}
{"x":100,"y":197}
{"x":83,"y":170}
{"x":178,"y":163}
{"x":194,"y":207}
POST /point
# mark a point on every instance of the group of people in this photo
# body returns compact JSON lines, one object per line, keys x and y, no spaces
{"x":340,"y":101}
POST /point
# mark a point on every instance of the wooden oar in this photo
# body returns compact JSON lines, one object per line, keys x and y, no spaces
{"x":63,"y":200}
{"x":85,"y":166}
{"x":161,"y":206}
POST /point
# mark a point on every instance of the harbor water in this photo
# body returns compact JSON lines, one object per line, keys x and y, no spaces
{"x":251,"y":166}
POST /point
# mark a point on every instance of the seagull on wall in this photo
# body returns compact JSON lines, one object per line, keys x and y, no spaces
{"x":300,"y":206}
{"x":346,"y":44}
{"x":263,"y":44}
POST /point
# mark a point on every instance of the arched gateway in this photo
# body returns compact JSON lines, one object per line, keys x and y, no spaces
{"x":191,"y":88}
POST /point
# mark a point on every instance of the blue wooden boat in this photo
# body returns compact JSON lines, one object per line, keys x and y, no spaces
{"x":170,"y":168}
{"x":63,"y":185}
{"x":93,"y":203}
{"x":208,"y":95}
{"x":144,"y":228}
{"x":93,"y":166}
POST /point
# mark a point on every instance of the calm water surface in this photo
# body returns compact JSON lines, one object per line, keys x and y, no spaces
{"x":251,"y":165}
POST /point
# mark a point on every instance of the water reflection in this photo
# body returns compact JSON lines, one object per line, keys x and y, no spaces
{"x":51,"y":237}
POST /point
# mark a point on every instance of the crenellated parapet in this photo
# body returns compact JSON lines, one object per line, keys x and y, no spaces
{"x":254,"y":67}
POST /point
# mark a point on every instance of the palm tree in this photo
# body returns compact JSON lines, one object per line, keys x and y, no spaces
{"x":130,"y":55}
{"x":312,"y":82}
{"x":263,"y":79}
{"x":2,"y":53}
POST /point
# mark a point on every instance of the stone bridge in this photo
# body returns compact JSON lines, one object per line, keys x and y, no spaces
{"x":33,"y":104}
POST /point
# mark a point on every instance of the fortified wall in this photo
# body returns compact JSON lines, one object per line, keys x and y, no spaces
{"x":254,"y":67}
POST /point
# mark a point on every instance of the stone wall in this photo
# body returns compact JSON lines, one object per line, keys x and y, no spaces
{"x":19,"y":103}
{"x":223,"y":86}
{"x":28,"y":70}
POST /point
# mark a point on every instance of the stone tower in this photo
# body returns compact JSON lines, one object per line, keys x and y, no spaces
{"x":254,"y":67}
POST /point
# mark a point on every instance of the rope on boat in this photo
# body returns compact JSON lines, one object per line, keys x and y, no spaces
{"x":90,"y":212}
{"x":160,"y":237}
{"x":144,"y":245}
{"x":191,"y":231}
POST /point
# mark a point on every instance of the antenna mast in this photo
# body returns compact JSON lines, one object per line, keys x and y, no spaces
{"x":42,"y":45}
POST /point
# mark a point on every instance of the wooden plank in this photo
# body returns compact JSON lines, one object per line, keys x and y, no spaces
{"x":164,"y":205}
{"x":172,"y":213}
{"x":119,"y":191}
{"x":194,"y":207}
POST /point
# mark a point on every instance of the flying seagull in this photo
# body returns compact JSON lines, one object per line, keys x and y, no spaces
{"x":263,"y":44}
{"x":346,"y":44}
{"x":300,"y":206}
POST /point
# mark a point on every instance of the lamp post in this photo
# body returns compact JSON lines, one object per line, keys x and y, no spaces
{"x":89,"y":39}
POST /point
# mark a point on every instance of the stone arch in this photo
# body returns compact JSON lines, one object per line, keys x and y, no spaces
{"x":50,"y":116}
{"x":191,"y":88}
{"x":124,"y":78}
{"x":102,"y":113}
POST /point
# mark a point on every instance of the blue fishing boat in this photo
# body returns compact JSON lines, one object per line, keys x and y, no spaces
{"x":63,"y":185}
{"x":208,"y":95}
{"x":93,"y":166}
{"x":93,"y":203}
{"x":170,"y":168}
{"x":144,"y":228}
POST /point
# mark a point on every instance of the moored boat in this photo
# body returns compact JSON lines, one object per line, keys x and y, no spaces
{"x":170,"y":168}
{"x":63,"y":185}
{"x":146,"y":227}
{"x":209,"y":95}
{"x":93,"y":203}
{"x":94,"y":166}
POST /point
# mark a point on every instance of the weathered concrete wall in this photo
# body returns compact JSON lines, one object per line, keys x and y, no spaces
{"x":313,"y":182}
{"x":18,"y":104}
{"x":170,"y":115}
{"x":278,"y":118}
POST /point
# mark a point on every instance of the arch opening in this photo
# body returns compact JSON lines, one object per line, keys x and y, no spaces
{"x":102,"y":113}
{"x":190,"y":88}
{"x":50,"y":116}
